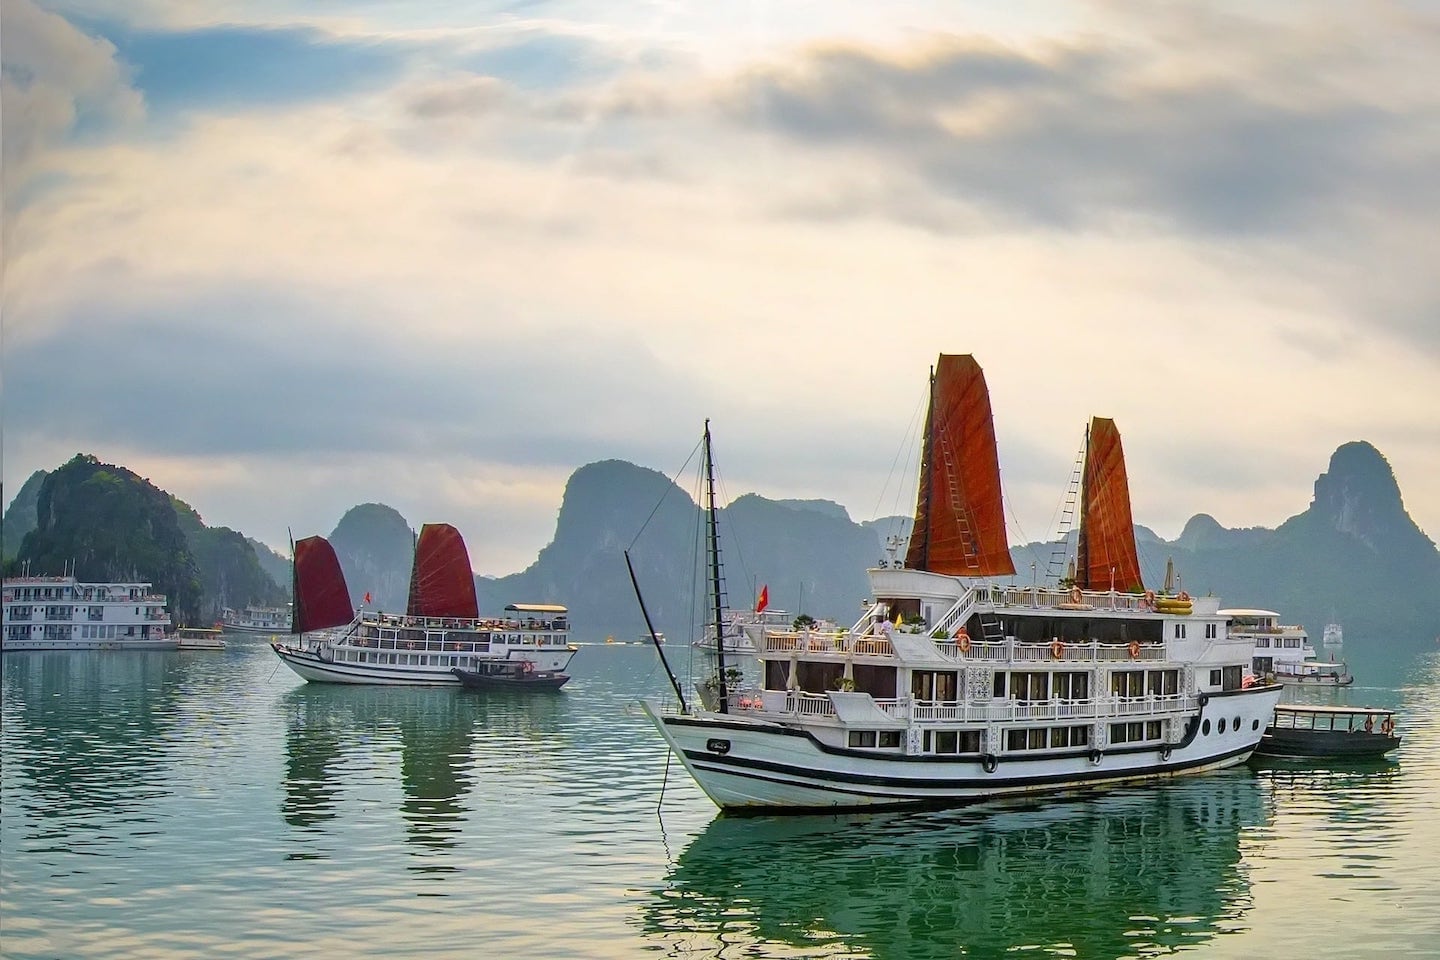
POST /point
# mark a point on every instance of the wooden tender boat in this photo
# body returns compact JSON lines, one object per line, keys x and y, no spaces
{"x":1302,"y":730}
{"x":510,"y":675}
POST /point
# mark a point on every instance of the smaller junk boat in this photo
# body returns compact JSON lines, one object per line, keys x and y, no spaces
{"x":510,"y":675}
{"x":1334,"y":636}
{"x":441,"y":629}
{"x":199,"y":638}
{"x":1338,"y":732}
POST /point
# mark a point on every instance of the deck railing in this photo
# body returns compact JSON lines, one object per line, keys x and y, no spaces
{"x":798,"y":703}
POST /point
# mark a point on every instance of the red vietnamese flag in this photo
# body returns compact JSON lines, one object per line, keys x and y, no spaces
{"x":367,"y":596}
{"x":764,"y":600}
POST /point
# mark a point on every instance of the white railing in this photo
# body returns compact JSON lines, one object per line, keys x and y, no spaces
{"x":1045,"y":653}
{"x":1019,"y":710}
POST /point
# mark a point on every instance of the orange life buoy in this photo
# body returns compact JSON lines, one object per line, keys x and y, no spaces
{"x":1075,"y":595}
{"x":962,"y":640}
{"x":1057,"y":650}
{"x":1134,"y":649}
{"x":1369,"y":724}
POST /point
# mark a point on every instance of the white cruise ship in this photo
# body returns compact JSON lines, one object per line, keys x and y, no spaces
{"x":62,"y":613}
{"x":960,"y":685}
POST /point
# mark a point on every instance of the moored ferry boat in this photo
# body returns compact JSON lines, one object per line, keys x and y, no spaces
{"x":1284,"y":650}
{"x":199,"y":638}
{"x":987,"y":689}
{"x":63,"y":613}
{"x":440,"y":632}
{"x":256,"y":620}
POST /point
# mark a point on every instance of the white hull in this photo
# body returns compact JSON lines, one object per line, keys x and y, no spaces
{"x":307,"y":664}
{"x":250,"y":628}
{"x":50,"y":646}
{"x":754,"y":765}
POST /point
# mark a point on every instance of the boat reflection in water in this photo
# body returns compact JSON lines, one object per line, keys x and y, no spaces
{"x":1128,"y":872}
{"x":345,"y":745}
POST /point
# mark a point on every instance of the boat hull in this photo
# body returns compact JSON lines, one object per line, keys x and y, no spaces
{"x":1281,"y":742}
{"x":53,"y":646}
{"x":308,"y":664}
{"x":751,"y":765}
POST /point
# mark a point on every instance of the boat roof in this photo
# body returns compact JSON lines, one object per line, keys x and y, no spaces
{"x":1246,"y":612}
{"x":536,"y":607}
{"x":1337,"y":709}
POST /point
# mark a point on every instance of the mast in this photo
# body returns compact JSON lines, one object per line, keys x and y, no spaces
{"x":1082,"y":539}
{"x":713,"y":542}
{"x":918,"y":554}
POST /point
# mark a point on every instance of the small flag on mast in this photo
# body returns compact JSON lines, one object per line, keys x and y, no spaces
{"x":367,"y":596}
{"x":764,"y":599}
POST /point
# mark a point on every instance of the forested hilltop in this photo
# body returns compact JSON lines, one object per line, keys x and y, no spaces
{"x":105,"y":523}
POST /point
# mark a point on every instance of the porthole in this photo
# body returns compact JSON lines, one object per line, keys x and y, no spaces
{"x":1237,"y":723}
{"x":1205,"y":728}
{"x":1222,"y":724}
{"x":1254,"y":724}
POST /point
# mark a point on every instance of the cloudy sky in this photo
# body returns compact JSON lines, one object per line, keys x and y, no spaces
{"x":284,"y":257}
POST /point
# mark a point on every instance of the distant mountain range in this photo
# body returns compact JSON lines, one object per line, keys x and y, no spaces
{"x":1353,"y":555}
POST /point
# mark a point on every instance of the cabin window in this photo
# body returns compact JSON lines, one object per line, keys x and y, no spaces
{"x":863,"y":738}
{"x":1069,"y":736}
{"x":1262,"y":641}
{"x":1030,"y":686}
{"x":889,"y":739}
{"x":1136,"y":731}
{"x":1179,"y":631}
{"x":1127,"y":683}
{"x":951,"y":741}
{"x":1162,"y":683}
{"x":1030,"y":739}
{"x":999,"y":685}
{"x":934,"y":685}
{"x":1212,"y":631}
{"x":1233,"y":678}
{"x":1214,"y":678}
{"x":1072,"y":686}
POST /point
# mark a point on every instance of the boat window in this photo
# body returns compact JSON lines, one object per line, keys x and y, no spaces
{"x":1237,"y":723}
{"x":863,"y":738}
{"x":1254,"y":724}
{"x":1211,"y":631}
{"x":1135,"y":731}
{"x":999,"y":684}
{"x":1233,"y":678}
{"x":1069,"y":736}
{"x":1030,"y":686}
{"x":934,"y":685}
{"x":1162,"y":683}
{"x":1205,"y":728}
{"x":1214,"y":678}
{"x":1179,"y":631}
{"x":1222,"y":724}
{"x":891,"y":739}
{"x":1027,"y":739}
{"x":1072,"y":686}
{"x":951,"y":741}
{"x":1127,"y":683}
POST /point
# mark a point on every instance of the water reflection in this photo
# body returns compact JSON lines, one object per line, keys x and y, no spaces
{"x":72,"y":720}
{"x":1129,"y":872}
{"x":340,"y":755}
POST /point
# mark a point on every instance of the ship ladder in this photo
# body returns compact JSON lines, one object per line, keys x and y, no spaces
{"x":969,"y":545}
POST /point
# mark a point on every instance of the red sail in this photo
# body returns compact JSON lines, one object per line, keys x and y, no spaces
{"x":959,"y":517}
{"x":441,"y":582}
{"x":1107,"y":559}
{"x":321,"y":597}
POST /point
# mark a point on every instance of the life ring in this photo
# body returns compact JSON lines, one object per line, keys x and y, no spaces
{"x":526,"y":666}
{"x":962,"y":634}
{"x":1075,"y":595}
{"x":962,"y":640}
{"x":989,"y":762}
{"x":1134,"y":649}
{"x":1369,"y":724}
{"x":1184,"y":597}
{"x":1387,"y":727}
{"x":1095,"y":756}
{"x":1057,"y":650}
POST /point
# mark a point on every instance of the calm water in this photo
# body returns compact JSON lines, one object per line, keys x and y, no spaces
{"x":212,"y":805}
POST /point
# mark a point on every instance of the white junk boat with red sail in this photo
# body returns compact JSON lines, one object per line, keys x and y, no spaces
{"x":441,"y":630}
{"x":989,"y":688}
